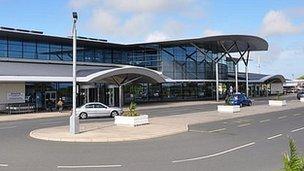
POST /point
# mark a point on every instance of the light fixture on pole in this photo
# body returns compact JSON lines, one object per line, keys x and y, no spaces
{"x":74,"y":120}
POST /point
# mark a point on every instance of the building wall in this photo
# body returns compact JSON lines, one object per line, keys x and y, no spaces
{"x":11,"y":93}
{"x":276,"y":87}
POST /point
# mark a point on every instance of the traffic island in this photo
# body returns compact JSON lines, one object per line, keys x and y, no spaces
{"x":107,"y":132}
{"x":158,"y":127}
{"x":228,"y":108}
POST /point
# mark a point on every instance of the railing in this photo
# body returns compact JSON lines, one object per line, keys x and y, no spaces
{"x":20,"y":108}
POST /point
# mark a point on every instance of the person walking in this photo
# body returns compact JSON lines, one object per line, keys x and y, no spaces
{"x":60,"y":105}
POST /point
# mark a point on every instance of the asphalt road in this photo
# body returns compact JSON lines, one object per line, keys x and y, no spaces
{"x":248,"y":143}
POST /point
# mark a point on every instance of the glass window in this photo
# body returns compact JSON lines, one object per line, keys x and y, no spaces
{"x":3,"y":48}
{"x":89,"y":106}
{"x":43,"y":51}
{"x":67,"y":53}
{"x":100,"y":106}
{"x":15,"y":49}
{"x":55,"y":52}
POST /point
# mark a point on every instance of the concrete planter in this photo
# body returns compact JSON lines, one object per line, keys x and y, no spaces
{"x":131,"y":121}
{"x":277,"y":103}
{"x":228,"y":108}
{"x":302,"y":99}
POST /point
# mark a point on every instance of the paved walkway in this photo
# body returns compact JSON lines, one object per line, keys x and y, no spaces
{"x":28,"y":116}
{"x":158,"y":127}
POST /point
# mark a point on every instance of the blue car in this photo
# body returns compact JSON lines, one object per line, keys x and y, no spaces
{"x":239,"y":99}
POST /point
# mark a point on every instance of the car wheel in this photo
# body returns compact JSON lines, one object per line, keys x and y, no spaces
{"x":250,"y":104}
{"x":83,"y":116}
{"x":114,"y":113}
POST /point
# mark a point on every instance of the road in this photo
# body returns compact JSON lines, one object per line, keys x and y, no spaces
{"x":248,"y":143}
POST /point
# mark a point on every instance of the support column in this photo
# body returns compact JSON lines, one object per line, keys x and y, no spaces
{"x":217,"y":81}
{"x":247,"y":81}
{"x":120,"y":96}
{"x":98,"y":91}
{"x":236,"y":78}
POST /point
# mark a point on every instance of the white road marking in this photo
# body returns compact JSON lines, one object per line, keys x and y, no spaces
{"x":199,"y":131}
{"x":217,"y":130}
{"x":8,"y":127}
{"x":282,"y":117}
{"x":266,"y":120}
{"x":299,"y":129}
{"x":215,"y":154}
{"x":243,"y":125}
{"x":3,"y":165}
{"x":297,"y":114}
{"x":275,"y":136}
{"x":89,"y":166}
{"x":46,"y":123}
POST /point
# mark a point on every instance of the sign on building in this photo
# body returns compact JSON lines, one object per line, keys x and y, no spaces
{"x":15,"y":97}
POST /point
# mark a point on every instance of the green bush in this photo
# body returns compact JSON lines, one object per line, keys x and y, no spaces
{"x":132,"y":110}
{"x":292,"y":161}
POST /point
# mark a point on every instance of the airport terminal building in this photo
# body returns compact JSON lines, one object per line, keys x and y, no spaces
{"x":36,"y":69}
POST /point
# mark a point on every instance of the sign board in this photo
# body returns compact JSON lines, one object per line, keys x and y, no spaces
{"x":15,"y":97}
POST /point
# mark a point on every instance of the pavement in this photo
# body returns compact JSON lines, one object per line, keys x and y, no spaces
{"x":252,"y":142}
{"x":30,"y":116}
{"x":158,"y":127}
{"x":151,"y":106}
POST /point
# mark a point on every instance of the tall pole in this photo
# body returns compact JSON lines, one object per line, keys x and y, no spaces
{"x":120,"y":96}
{"x":217,"y":81}
{"x":247,"y":81}
{"x":236,"y":78}
{"x":74,"y":120}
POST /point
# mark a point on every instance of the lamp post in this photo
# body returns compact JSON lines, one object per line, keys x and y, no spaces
{"x":74,"y":120}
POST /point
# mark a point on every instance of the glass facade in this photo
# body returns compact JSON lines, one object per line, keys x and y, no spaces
{"x":178,"y":62}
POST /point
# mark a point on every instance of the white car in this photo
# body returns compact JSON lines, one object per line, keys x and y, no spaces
{"x":96,"y":109}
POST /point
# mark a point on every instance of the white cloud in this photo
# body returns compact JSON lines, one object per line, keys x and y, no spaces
{"x":135,"y":6}
{"x":78,"y":4}
{"x":136,"y":20}
{"x":277,"y":23}
{"x":104,"y":22}
{"x":210,"y":32}
{"x":156,"y":37}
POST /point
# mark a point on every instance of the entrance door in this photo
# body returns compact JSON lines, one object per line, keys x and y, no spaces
{"x":50,"y":100}
{"x":111,"y":96}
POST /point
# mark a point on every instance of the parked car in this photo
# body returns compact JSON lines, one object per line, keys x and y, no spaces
{"x":96,"y":109}
{"x":239,"y":99}
{"x":300,"y":95}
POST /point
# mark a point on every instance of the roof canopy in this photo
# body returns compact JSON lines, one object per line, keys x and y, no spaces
{"x":42,"y":71}
{"x":211,"y":43}
{"x":244,"y":42}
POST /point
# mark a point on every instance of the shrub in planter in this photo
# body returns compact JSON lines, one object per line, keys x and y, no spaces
{"x":132,"y":110}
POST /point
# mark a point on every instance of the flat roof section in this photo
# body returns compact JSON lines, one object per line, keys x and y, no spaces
{"x":244,"y":42}
{"x":21,"y":71}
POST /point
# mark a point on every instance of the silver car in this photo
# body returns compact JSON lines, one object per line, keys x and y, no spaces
{"x":96,"y":109}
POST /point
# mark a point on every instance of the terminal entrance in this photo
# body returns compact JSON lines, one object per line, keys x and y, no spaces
{"x":106,"y":94}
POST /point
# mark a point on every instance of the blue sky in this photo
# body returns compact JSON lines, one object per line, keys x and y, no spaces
{"x":280,"y":22}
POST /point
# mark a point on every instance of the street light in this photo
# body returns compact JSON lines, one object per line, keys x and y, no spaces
{"x":74,"y":120}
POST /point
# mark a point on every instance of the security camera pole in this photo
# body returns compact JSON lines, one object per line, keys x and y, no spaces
{"x":74,"y":120}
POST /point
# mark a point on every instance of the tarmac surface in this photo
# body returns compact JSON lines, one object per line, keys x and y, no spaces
{"x":255,"y":142}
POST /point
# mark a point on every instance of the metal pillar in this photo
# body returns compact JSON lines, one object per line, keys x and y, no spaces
{"x":236,"y":78}
{"x":74,"y":120}
{"x":120,"y":96}
{"x":217,"y":81}
{"x":247,"y":81}
{"x":98,"y":96}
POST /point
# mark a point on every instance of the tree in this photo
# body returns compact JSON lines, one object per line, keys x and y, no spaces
{"x":301,"y":78}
